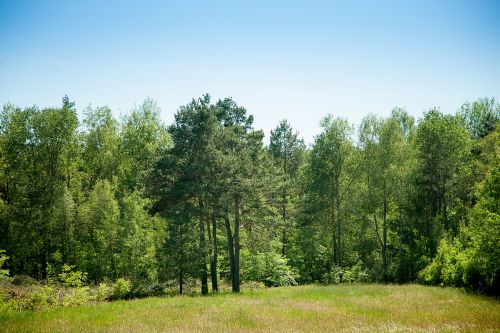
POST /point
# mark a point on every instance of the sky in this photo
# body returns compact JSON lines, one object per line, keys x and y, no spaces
{"x":294,"y":60}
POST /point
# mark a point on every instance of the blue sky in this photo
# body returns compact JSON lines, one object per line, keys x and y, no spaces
{"x":298,"y":60}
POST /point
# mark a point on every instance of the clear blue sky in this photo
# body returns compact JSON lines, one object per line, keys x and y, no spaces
{"x":279,"y":59}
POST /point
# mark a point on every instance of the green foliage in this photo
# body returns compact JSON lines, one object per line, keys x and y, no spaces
{"x":449,"y":267}
{"x":270,"y":268}
{"x":170,"y":208}
{"x":76,"y":297}
{"x":103,"y":292}
{"x":71,"y":278}
{"x":480,"y":117}
{"x":121,"y":288}
{"x":472,"y":259}
{"x":354,"y":274}
{"x":3,"y":259}
{"x":39,"y":297}
{"x":42,"y":297}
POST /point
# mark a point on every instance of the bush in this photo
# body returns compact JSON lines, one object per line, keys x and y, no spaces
{"x":24,"y":280}
{"x":333,"y":277}
{"x":472,"y":259}
{"x":72,"y":279}
{"x":3,"y":259}
{"x":41,"y":298}
{"x":77,"y":296}
{"x":103,"y":292}
{"x":121,"y":288}
{"x":270,"y":268}
{"x":146,"y":289}
{"x":354,"y":274}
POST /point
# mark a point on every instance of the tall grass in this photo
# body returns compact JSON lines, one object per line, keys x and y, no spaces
{"x":350,"y":308}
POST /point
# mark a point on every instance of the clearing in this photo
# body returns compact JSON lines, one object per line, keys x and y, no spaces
{"x":358,"y":308}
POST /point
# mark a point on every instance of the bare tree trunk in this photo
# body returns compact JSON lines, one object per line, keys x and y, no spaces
{"x":181,"y":281}
{"x":213,"y":261}
{"x":236,"y":244}
{"x":384,"y":241}
{"x":203,"y":251}
{"x":445,"y":208}
{"x":284,"y":240}
{"x":230,"y":246}
{"x":334,"y":240}
{"x":400,"y":234}
{"x":339,"y":232}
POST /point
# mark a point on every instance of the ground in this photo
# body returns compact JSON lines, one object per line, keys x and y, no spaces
{"x":349,"y":308}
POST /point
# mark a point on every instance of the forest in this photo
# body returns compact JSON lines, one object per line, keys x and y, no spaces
{"x":208,"y":201}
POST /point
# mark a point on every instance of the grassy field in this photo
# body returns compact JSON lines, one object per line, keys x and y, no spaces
{"x":350,"y":308}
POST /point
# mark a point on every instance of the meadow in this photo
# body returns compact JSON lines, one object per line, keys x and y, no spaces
{"x":312,"y":308}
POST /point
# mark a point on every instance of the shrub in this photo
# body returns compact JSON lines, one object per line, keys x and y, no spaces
{"x":332,"y":277}
{"x":77,"y":296}
{"x":3,"y":259}
{"x":270,"y":268}
{"x":121,"y":288}
{"x":103,"y":292}
{"x":72,"y":279}
{"x":356,"y":274}
{"x":41,"y":298}
{"x":24,"y":280}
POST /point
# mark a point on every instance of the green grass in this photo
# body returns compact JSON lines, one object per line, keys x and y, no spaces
{"x":357,"y":308}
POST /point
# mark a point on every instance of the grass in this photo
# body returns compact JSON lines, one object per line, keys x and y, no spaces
{"x":350,"y":308}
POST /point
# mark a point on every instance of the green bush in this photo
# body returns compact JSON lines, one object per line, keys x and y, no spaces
{"x":70,"y":278}
{"x":103,"y":292}
{"x":472,"y":259}
{"x":3,"y":259}
{"x":270,"y":268}
{"x":334,"y":276}
{"x":121,"y":288}
{"x":24,"y":280}
{"x":77,"y":296}
{"x":41,"y":298}
{"x":356,"y":274}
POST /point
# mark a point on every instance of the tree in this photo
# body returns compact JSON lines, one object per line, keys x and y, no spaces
{"x":100,"y":146}
{"x":330,"y":180}
{"x":386,"y":159}
{"x":140,"y":237}
{"x":191,"y":134}
{"x":39,"y":147}
{"x":287,"y":149}
{"x":444,"y":154}
{"x":143,"y":139}
{"x":480,"y":117}
{"x":241,"y":147}
{"x":99,"y":251}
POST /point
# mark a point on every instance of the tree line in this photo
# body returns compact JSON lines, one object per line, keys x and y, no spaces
{"x":205,"y":198}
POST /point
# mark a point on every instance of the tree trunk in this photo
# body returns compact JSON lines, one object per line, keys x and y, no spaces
{"x":236,"y":244}
{"x":44,"y":264}
{"x":213,"y":261}
{"x":334,"y":239}
{"x":230,"y":246}
{"x":400,"y":234}
{"x":339,"y":230}
{"x":445,"y":209}
{"x":284,"y":240}
{"x":334,"y":235}
{"x":203,"y":252}
{"x":384,"y":240}
{"x":181,"y":281}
